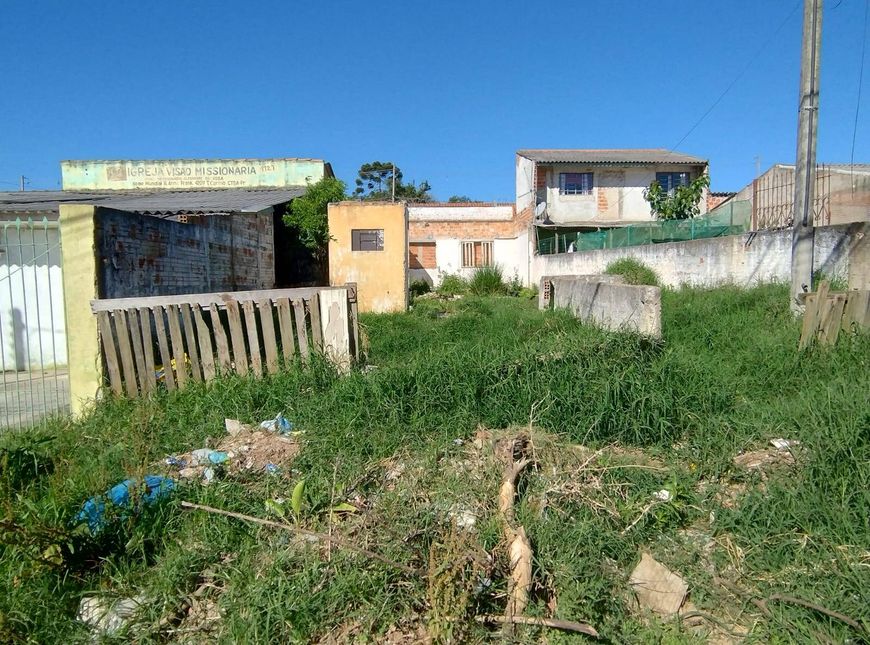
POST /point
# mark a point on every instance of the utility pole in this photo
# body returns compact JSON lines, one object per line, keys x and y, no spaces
{"x":393,"y":192}
{"x":803,"y":233}
{"x":21,"y":183}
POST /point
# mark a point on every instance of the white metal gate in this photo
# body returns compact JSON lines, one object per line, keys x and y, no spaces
{"x":33,"y":348}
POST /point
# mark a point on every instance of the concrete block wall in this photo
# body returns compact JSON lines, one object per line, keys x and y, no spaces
{"x":744,"y":260}
{"x":140,"y":255}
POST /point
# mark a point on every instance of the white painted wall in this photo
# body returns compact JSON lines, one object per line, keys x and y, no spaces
{"x":525,"y":170}
{"x":32,"y":326}
{"x":744,"y":260}
{"x":461,"y":213}
{"x":620,"y":186}
{"x":511,"y":254}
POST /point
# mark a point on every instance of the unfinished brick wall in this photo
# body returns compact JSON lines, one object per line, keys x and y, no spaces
{"x":421,"y":255}
{"x":140,"y":255}
{"x":420,"y":231}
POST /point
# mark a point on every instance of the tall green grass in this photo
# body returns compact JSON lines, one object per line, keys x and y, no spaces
{"x":726,"y":377}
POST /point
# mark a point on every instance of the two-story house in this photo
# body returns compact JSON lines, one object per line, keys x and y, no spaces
{"x":580,"y":190}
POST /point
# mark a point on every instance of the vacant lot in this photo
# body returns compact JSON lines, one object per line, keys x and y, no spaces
{"x":632,"y":447}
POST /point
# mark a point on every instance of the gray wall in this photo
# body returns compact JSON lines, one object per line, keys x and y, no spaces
{"x":140,"y":255}
{"x":746,"y":259}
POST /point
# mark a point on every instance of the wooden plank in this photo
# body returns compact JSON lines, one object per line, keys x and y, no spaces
{"x":857,"y":313}
{"x":267,"y":324}
{"x":285,"y":323}
{"x":123,"y":334}
{"x":220,"y":339}
{"x":240,"y":354}
{"x":104,"y":321}
{"x":163,"y":344}
{"x":177,"y":346}
{"x":301,"y":331}
{"x":206,"y":353}
{"x":354,"y":319}
{"x":190,"y":337}
{"x":219,"y":298}
{"x":336,"y":336}
{"x":148,"y":346}
{"x":316,"y":327}
{"x":138,"y":351}
{"x":253,"y":338}
{"x":831,"y":325}
{"x":807,"y":330}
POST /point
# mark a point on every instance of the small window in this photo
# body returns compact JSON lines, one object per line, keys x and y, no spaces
{"x":575,"y":183}
{"x":367,"y":239}
{"x":476,"y":254}
{"x":670,"y":180}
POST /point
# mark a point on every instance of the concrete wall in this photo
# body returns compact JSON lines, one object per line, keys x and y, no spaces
{"x":381,"y":276}
{"x":188,"y":174}
{"x":609,"y":305}
{"x":140,"y":255}
{"x":32,"y":329}
{"x":617,"y":193}
{"x":745,"y":260}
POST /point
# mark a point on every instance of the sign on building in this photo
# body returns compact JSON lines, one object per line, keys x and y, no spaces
{"x":191,"y":174}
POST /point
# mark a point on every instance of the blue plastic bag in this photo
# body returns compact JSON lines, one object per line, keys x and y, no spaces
{"x":151,"y":489}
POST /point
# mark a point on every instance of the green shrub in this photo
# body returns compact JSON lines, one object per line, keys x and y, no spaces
{"x":487,"y":281}
{"x":452,"y":285}
{"x":418,"y":288}
{"x":633,"y":271}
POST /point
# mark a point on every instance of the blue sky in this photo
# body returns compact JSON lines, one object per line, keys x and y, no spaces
{"x":448,"y":90}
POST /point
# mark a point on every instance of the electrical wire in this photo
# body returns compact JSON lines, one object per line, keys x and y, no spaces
{"x":860,"y":83}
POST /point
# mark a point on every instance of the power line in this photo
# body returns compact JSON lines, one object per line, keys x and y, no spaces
{"x":860,"y":83}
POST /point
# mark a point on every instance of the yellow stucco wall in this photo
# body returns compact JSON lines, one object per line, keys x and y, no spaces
{"x":381,"y":276}
{"x":80,"y":287}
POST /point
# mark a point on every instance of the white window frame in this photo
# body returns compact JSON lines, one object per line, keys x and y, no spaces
{"x":467,"y":255}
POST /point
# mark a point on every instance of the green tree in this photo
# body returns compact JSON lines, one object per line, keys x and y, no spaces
{"x":375,"y":183}
{"x":683,"y":202}
{"x":308,"y":213}
{"x":459,"y":199}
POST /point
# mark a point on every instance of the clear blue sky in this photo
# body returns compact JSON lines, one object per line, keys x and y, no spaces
{"x":448,"y":90}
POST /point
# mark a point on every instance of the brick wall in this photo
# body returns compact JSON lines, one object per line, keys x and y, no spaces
{"x":421,"y":255}
{"x":140,"y":255}
{"x":419,"y":231}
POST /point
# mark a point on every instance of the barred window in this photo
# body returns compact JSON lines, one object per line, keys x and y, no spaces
{"x":476,"y":254}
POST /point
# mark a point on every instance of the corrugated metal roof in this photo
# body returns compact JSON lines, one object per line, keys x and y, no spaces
{"x":156,"y":203}
{"x":626,"y":156}
{"x":203,"y":202}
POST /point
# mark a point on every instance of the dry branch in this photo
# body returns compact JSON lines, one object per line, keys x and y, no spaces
{"x":309,"y":535}
{"x":565,"y":625}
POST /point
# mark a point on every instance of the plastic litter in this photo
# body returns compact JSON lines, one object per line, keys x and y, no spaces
{"x":662,"y":495}
{"x":784,"y":444}
{"x":273,"y":469}
{"x":279,"y":424}
{"x":109,"y":615}
{"x":204,"y":456}
{"x":177,"y":462}
{"x":125,"y":495}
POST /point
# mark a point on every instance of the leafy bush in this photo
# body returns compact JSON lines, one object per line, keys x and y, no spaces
{"x":487,"y":281}
{"x":633,"y":271}
{"x":418,"y":288}
{"x":452,"y":285}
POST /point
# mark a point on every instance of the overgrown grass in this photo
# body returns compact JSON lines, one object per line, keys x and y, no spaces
{"x":488,"y":281}
{"x":633,"y":271}
{"x":726,"y":378}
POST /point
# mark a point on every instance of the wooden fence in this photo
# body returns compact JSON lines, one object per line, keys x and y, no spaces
{"x":178,"y":339}
{"x":827,"y":314}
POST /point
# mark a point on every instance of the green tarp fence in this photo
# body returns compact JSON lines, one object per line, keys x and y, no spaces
{"x":731,"y":218}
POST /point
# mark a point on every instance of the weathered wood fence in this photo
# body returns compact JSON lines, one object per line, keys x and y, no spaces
{"x":827,"y":314}
{"x":196,"y":337}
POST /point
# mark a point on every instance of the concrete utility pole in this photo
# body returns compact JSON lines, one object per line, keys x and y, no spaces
{"x":393,"y":192}
{"x":803,"y":233}
{"x":21,"y":183}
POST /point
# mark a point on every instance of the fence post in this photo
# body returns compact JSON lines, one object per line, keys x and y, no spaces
{"x":80,"y":286}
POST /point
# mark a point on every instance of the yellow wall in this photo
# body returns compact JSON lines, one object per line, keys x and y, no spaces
{"x":381,"y":276}
{"x":80,"y":287}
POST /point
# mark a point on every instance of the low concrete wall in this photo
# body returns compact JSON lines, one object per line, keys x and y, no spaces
{"x":744,"y":260}
{"x":610,"y":305}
